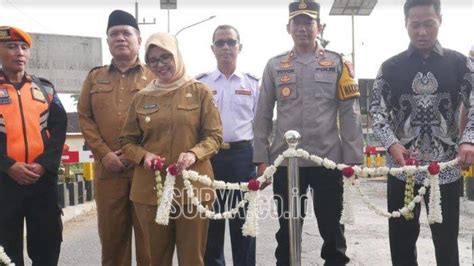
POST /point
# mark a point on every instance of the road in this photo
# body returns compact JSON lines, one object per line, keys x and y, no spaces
{"x":367,"y":239}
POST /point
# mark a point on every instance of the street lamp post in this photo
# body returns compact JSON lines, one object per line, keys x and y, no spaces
{"x":354,"y":8}
{"x":168,"y":4}
{"x":194,"y":24}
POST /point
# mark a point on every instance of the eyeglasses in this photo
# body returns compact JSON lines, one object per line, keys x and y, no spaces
{"x":230,"y":43}
{"x":164,"y":59}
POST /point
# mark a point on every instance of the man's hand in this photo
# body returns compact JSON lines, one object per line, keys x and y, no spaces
{"x":185,"y":160}
{"x":124,"y":160}
{"x":149,"y":157}
{"x":36,"y":168}
{"x":260,"y":170}
{"x":466,"y":155}
{"x":398,"y":153}
{"x":112,"y":162}
{"x":20,"y":173}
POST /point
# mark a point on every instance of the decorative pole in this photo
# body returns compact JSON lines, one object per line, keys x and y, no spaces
{"x":292,"y":137}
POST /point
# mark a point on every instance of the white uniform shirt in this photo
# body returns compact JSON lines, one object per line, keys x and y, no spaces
{"x":236,"y":98}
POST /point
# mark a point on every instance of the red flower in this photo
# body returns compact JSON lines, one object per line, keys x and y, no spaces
{"x":254,"y":185}
{"x":157,"y":164}
{"x":411,"y":161}
{"x":434,"y":168}
{"x":173,"y":169}
{"x":348,"y":172}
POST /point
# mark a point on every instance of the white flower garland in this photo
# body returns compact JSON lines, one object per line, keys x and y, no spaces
{"x":434,"y":215}
{"x":250,"y":226}
{"x":163,"y":209}
{"x":4,"y":259}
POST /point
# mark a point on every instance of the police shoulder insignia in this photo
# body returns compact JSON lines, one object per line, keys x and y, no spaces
{"x":252,"y":76}
{"x":350,"y":67}
{"x":347,"y":87}
{"x":95,"y":68}
{"x":202,"y":75}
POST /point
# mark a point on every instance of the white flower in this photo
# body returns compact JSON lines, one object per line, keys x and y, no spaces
{"x":396,"y":171}
{"x":227,"y":215}
{"x":278,"y":160}
{"x":396,"y":214}
{"x":329,"y":164}
{"x":270,"y":171}
{"x":195,"y":201}
{"x":417,"y":199}
{"x":316,"y":159}
{"x":404,"y":210}
{"x":218,"y":184}
{"x":201,"y":209}
{"x":290,"y":153}
{"x":410,"y":169}
{"x":384,"y":170}
{"x":422,"y":191}
{"x":302,"y":153}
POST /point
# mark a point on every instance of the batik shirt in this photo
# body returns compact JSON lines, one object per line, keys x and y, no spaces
{"x":415,"y":102}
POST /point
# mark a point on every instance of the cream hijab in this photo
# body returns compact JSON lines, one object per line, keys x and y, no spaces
{"x":169,"y":43}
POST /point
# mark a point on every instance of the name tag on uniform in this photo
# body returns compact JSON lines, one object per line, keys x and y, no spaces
{"x":103,"y":81}
{"x":243,"y":92}
{"x":150,"y":106}
{"x":4,"y":97}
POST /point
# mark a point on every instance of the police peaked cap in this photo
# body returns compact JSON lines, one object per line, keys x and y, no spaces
{"x":12,"y":34}
{"x":304,"y":7}
{"x":120,"y":17}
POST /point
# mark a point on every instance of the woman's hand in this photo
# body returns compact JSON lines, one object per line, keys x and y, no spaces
{"x":185,"y":160}
{"x":149,"y":157}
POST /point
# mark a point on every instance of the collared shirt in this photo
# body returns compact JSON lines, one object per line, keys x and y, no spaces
{"x":102,"y":107}
{"x":416,"y":101}
{"x":315,"y":95}
{"x":236,"y":97}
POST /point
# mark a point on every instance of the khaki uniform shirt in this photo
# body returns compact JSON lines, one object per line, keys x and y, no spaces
{"x":167,"y":124}
{"x":102,"y":108}
{"x":317,"y":96}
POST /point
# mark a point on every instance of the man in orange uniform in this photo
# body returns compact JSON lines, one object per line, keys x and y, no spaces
{"x":32,"y":134}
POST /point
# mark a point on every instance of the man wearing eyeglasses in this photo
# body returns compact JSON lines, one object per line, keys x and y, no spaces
{"x":236,"y":94}
{"x":103,"y":104}
{"x":317,"y":96}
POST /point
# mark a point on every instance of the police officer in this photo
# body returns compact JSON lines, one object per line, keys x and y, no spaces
{"x":236,"y":94}
{"x":32,"y":134}
{"x":316,"y":95}
{"x":103,"y":104}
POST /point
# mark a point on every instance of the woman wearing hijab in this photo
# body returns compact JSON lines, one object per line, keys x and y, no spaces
{"x":173,"y":118}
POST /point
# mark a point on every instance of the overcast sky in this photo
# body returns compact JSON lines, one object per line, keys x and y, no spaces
{"x":262,"y":24}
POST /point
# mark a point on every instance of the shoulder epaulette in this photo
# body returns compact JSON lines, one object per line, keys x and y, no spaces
{"x":252,"y":76}
{"x":282,"y":54}
{"x":95,"y":68}
{"x":202,"y":75}
{"x":333,"y":52}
